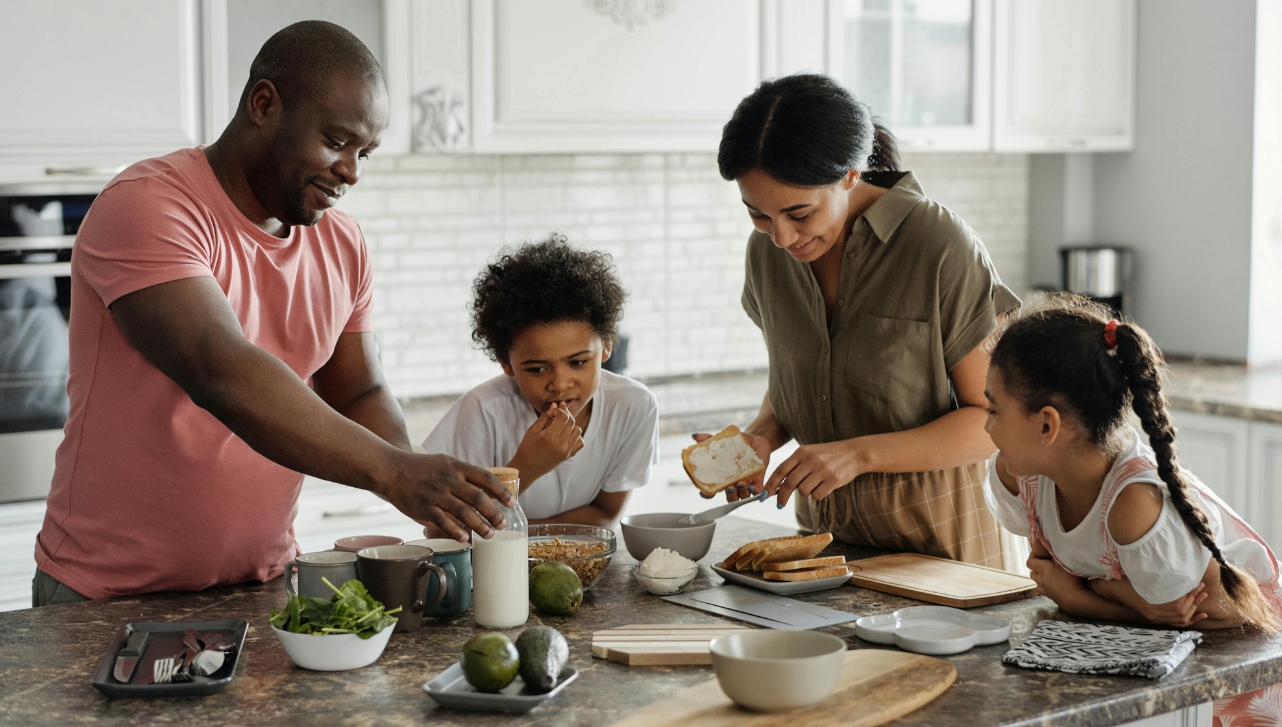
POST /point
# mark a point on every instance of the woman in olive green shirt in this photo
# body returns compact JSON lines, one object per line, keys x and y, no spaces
{"x":874,"y":302}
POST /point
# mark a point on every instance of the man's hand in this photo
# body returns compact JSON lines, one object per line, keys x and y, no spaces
{"x":816,"y":470}
{"x":753,"y":485}
{"x":455,"y":496}
{"x":1183,"y":611}
{"x":552,"y":439}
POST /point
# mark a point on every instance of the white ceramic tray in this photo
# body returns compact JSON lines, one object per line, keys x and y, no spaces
{"x":934,"y":630}
{"x":450,"y":689}
{"x":779,"y":588}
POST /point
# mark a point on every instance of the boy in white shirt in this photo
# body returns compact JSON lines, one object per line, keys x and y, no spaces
{"x":581,"y":437}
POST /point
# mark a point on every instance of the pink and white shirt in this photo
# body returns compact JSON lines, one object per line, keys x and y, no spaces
{"x":1164,"y":564}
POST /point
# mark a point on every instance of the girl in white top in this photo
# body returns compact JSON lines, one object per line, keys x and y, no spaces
{"x":1118,"y":530}
{"x":582,"y":438}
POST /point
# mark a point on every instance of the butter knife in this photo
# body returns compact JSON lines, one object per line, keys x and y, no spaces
{"x":129,"y":654}
{"x":707,"y":516}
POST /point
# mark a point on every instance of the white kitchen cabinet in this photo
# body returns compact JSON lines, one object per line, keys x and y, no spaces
{"x":1264,"y":479}
{"x":569,"y":76}
{"x":565,"y":76}
{"x":925,"y":68}
{"x":1240,"y":460}
{"x":1215,"y":448}
{"x":1198,"y":715}
{"x":1064,"y":75}
{"x":97,"y":83}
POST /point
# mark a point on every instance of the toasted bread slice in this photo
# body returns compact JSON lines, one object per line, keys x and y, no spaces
{"x":804,"y":564}
{"x":721,"y":460}
{"x":807,"y":546}
{"x":745,"y":551}
{"x":808,"y":574}
{"x":756,"y":547}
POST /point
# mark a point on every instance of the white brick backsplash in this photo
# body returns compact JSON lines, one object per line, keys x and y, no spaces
{"x":677,"y":232}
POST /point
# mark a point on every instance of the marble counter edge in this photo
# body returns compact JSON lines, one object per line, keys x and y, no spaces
{"x":1199,"y":405}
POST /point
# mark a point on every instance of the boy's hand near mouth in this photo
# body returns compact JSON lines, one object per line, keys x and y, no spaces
{"x":552,"y":439}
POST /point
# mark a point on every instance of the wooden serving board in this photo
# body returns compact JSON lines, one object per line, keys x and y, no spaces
{"x":876,"y":686}
{"x":659,"y":644}
{"x":939,"y":580}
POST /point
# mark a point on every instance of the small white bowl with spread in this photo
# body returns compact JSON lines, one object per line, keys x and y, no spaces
{"x":664,"y":572}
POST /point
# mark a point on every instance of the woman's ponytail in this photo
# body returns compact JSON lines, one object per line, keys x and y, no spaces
{"x":885,"y":150}
{"x":1141,"y":364}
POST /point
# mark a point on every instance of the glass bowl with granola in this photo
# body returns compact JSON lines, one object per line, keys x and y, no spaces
{"x":587,"y":549}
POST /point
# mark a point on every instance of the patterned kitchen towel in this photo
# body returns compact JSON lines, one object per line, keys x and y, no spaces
{"x":1087,"y":649}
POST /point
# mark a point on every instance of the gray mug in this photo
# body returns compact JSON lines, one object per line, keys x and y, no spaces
{"x":455,"y":559}
{"x":335,"y":565}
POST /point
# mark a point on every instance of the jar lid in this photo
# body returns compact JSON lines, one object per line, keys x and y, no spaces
{"x":510,"y":477}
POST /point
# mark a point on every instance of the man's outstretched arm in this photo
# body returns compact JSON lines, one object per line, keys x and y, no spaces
{"x":352,"y":383}
{"x":188,"y":330}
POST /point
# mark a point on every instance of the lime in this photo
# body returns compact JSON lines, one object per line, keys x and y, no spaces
{"x":490,"y":661}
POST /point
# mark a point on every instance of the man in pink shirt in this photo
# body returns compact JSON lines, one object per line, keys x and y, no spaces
{"x":221,"y":346}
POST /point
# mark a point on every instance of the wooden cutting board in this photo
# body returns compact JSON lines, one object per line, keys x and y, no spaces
{"x":876,"y":686}
{"x":659,"y":644}
{"x":938,"y":580}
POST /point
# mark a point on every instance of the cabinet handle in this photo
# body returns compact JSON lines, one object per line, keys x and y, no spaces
{"x":358,"y":511}
{"x":35,"y":270}
{"x":84,"y":171}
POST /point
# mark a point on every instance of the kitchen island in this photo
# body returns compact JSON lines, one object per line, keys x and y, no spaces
{"x":48,"y":655}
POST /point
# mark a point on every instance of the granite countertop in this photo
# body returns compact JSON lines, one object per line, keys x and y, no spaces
{"x":1227,"y":390}
{"x":48,"y":655}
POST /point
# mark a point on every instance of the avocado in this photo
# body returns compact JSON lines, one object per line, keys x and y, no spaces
{"x":490,"y":661}
{"x":543,"y":653}
{"x":555,"y":588}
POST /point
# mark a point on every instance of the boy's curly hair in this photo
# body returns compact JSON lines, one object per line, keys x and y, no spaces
{"x":544,"y":282}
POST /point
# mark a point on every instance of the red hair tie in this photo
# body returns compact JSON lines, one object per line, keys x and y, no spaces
{"x":1110,"y":334}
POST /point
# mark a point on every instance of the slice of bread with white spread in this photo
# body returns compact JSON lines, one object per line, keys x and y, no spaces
{"x":720,"y":461}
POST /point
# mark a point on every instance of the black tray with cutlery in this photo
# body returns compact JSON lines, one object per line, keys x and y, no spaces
{"x":128,"y":669}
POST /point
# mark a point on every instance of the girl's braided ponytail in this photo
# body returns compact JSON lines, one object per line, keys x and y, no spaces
{"x":1141,"y":365}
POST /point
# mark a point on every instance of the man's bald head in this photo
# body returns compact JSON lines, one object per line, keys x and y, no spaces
{"x":301,"y":59}
{"x":314,"y":109}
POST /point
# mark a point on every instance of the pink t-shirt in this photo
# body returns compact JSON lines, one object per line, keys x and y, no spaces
{"x":151,"y":492}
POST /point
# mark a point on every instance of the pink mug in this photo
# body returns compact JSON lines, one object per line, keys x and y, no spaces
{"x":354,"y":543}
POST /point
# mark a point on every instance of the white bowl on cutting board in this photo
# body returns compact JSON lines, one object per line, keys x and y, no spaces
{"x":773,"y":671}
{"x":933,"y":630}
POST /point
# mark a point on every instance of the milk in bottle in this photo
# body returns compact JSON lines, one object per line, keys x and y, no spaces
{"x":500,"y":565}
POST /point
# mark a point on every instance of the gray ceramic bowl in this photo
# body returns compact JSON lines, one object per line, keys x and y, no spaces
{"x":773,"y":671}
{"x":644,"y":533}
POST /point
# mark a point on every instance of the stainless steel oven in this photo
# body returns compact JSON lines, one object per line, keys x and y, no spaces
{"x":38,"y":225}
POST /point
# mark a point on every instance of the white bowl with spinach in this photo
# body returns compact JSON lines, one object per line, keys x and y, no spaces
{"x":348,"y":631}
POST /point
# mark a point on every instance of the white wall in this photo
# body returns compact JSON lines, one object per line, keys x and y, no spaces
{"x":676,"y":229}
{"x":1061,"y":203}
{"x":1182,"y":198}
{"x":1266,"y":245}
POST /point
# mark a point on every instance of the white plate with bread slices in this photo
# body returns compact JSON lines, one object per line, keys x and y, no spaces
{"x":785,"y":566}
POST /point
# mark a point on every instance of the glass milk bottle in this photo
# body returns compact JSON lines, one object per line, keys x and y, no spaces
{"x":500,"y":565}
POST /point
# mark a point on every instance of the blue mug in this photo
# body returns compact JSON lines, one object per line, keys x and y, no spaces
{"x":455,"y":559}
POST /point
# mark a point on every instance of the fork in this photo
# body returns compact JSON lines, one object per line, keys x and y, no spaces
{"x":167,"y":670}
